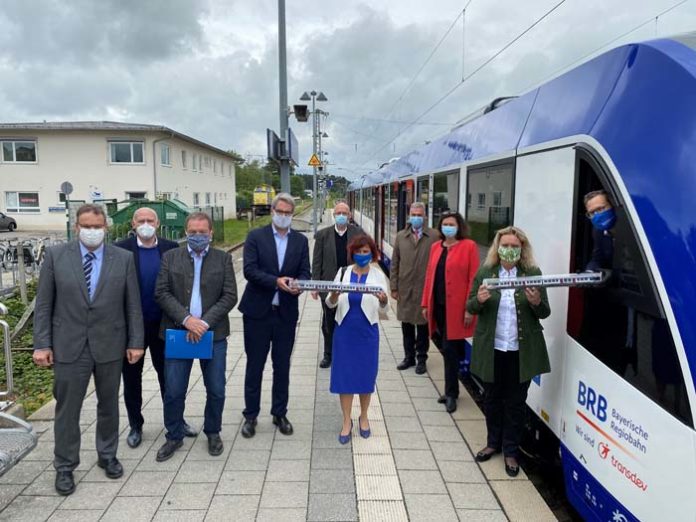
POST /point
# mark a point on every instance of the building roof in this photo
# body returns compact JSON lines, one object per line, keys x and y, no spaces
{"x":107,"y":126}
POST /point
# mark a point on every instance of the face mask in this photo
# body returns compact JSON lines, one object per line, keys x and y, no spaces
{"x":146,"y":230}
{"x":416,"y":221}
{"x":282,"y":222}
{"x":509,"y":254}
{"x":362,"y":260}
{"x":198,"y":242}
{"x":449,"y":231}
{"x":341,"y":219}
{"x":604,"y":220}
{"x":92,"y":237}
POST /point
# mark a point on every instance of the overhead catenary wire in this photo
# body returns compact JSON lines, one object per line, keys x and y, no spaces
{"x":468,"y":77}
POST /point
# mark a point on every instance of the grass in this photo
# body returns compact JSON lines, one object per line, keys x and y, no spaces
{"x":33,"y":386}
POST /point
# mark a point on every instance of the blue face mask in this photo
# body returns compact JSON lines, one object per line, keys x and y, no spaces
{"x":604,"y":220}
{"x":449,"y":231}
{"x":198,"y":242}
{"x":362,"y":260}
{"x":416,"y":222}
{"x":341,"y":219}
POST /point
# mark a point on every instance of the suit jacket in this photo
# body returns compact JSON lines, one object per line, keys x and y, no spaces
{"x":602,"y":251}
{"x":261,"y":271}
{"x":218,"y":288}
{"x":66,"y":320}
{"x":534,"y":359}
{"x":407,"y":272}
{"x":324,"y":264}
{"x":131,"y":243}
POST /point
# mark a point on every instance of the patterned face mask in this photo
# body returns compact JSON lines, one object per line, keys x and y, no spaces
{"x":509,"y":254}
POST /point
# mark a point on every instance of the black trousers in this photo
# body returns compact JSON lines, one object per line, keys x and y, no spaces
{"x":271,"y":333}
{"x":328,"y":323}
{"x":452,"y":350}
{"x":133,"y":375}
{"x":416,"y":341}
{"x":504,"y":404}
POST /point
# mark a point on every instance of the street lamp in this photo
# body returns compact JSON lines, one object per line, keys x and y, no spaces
{"x":317,"y":135}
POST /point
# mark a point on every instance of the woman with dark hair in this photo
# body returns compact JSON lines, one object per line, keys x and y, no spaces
{"x":451,"y":268}
{"x":509,"y":347}
{"x":356,"y":336}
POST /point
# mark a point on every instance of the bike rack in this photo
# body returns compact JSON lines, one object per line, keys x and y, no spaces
{"x":15,"y":442}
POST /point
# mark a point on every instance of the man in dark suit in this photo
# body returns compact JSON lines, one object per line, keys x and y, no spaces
{"x":147,"y":251}
{"x":87,"y":318}
{"x":196,"y":289}
{"x":329,"y":255}
{"x":273,"y":256}
{"x":601,"y":213}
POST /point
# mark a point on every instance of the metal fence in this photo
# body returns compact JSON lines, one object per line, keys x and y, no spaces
{"x":32,"y":251}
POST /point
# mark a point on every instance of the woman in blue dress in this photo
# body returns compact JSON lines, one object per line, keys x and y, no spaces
{"x":356,"y":336}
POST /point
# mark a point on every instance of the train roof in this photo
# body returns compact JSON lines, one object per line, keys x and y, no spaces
{"x":571,"y":104}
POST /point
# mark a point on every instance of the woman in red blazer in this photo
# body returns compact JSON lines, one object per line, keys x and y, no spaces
{"x":451,"y":269}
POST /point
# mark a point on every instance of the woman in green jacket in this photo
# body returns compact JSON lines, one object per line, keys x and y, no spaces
{"x":509,"y":347}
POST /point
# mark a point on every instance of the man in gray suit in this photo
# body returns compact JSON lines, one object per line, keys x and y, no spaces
{"x":329,"y":255}
{"x":87,"y":317}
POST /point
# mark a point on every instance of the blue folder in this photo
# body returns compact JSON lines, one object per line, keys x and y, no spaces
{"x":176,"y":346}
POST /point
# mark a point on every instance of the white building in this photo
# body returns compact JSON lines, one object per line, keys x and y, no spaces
{"x":106,"y":160}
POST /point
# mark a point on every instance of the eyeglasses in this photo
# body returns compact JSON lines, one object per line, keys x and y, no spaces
{"x":592,"y":213}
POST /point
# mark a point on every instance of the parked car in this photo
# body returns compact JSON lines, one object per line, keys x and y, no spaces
{"x":7,"y":223}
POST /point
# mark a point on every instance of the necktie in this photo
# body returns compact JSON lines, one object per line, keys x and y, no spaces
{"x":87,"y":267}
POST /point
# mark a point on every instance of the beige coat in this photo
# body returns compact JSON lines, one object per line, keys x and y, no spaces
{"x":407,"y":272}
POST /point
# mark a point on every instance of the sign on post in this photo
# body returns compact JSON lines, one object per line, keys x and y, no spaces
{"x":314,"y":161}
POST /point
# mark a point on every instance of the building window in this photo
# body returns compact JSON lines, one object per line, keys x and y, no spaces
{"x":127,"y":152}
{"x":22,"y":201}
{"x":230,"y":169}
{"x":183,"y":159}
{"x":19,"y":151}
{"x":207,"y":198}
{"x":445,"y":194}
{"x":164,"y":153}
{"x":483,"y":218}
{"x":195,"y":165}
{"x":196,"y":199}
{"x":215,"y":166}
{"x":136,"y":195}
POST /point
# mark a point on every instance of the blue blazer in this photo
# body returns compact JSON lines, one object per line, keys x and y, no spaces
{"x":261,"y":271}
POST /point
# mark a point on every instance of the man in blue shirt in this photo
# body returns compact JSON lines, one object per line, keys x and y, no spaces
{"x":273,"y":256}
{"x":147,"y":249}
{"x":196,"y":290}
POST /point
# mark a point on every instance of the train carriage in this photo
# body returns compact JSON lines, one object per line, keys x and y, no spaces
{"x":620,"y":401}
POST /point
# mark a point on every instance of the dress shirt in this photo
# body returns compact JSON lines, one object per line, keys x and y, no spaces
{"x":281,"y":243}
{"x":506,"y":339}
{"x":140,"y":243}
{"x":339,"y":232}
{"x":418,"y":233}
{"x":196,"y":305}
{"x":96,"y":266}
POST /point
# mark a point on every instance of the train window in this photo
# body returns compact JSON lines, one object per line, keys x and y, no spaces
{"x":392,"y":222}
{"x":489,"y":201}
{"x":445,"y":193}
{"x":424,"y":192}
{"x":622,"y":323}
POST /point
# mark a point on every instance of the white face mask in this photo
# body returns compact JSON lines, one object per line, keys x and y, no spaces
{"x":92,"y":237}
{"x":145,"y":231}
{"x":282,"y":222}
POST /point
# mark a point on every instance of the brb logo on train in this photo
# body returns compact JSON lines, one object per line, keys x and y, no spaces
{"x":619,"y":439}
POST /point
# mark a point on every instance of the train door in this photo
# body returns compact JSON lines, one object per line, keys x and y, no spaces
{"x":423,"y":193}
{"x":379,"y":229}
{"x":627,"y":433}
{"x":406,"y":197}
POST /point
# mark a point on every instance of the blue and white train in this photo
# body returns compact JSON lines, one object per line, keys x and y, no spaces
{"x":623,"y":410}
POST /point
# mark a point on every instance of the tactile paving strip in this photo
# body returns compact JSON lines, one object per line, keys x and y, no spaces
{"x":382,"y":511}
{"x":371,"y":487}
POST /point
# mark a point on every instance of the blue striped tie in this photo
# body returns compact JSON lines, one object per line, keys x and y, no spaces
{"x":87,"y":267}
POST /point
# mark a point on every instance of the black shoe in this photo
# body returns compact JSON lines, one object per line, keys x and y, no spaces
{"x":65,"y":483}
{"x":135,"y":437}
{"x":249,"y":428}
{"x":483,"y":455}
{"x":512,"y":470}
{"x":406,"y":364}
{"x":283,"y":424}
{"x":168,"y":449}
{"x":442,"y":399}
{"x":325,"y":362}
{"x":451,"y":404}
{"x":189,"y":431}
{"x":112,"y":467}
{"x":215,"y":446}
{"x":421,"y":368}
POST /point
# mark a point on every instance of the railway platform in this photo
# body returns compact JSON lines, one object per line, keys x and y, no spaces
{"x":418,"y":465}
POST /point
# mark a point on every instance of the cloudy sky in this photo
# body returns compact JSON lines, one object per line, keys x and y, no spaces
{"x":209,"y":68}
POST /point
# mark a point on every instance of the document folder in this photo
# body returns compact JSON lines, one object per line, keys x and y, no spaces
{"x":176,"y":346}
